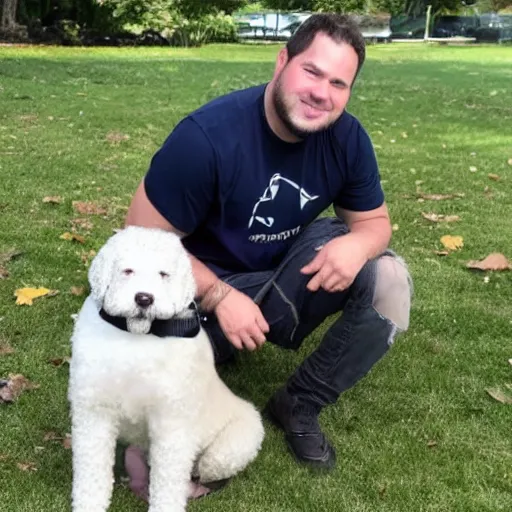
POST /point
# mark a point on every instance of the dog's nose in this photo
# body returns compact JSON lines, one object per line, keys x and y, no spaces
{"x":144,"y":299}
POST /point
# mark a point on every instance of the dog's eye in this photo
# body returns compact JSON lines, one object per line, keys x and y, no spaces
{"x":164,"y":274}
{"x":127,"y":271}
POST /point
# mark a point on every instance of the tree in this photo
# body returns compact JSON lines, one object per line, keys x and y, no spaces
{"x":340,"y":6}
{"x":393,"y":7}
{"x":289,"y":5}
{"x":419,"y":7}
{"x":9,"y":10}
{"x":190,"y":8}
{"x":496,"y":5}
{"x":210,"y":6}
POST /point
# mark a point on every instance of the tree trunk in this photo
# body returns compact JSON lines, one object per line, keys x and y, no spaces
{"x":9,"y":10}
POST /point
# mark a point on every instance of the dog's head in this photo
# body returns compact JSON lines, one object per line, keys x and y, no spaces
{"x":142,"y":274}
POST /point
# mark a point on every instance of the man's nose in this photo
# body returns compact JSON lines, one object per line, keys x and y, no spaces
{"x":320,"y":92}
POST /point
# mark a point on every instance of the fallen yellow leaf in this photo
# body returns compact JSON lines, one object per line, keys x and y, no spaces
{"x":440,"y":197}
{"x":439,"y":217}
{"x":77,"y":290}
{"x":12,"y":388}
{"x":493,"y":177}
{"x":52,"y":199}
{"x":87,"y":256}
{"x":88,"y":208}
{"x":452,"y":243}
{"x":27,"y":295}
{"x":50,"y":436}
{"x":65,"y":440}
{"x":5,"y":257}
{"x":9,"y":255}
{"x":72,"y":237}
{"x":498,"y":395}
{"x":59,"y":361}
{"x":116,"y":137}
{"x":5,"y":348}
{"x":81,"y":223}
{"x":495,"y":261}
{"x":28,"y":117}
{"x":26,"y":466}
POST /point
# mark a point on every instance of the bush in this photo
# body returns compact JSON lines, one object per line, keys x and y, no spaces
{"x":253,"y":8}
{"x":69,"y":32}
{"x":211,"y":28}
{"x":340,"y":6}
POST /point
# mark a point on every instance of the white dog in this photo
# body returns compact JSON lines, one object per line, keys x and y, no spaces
{"x":142,"y":370}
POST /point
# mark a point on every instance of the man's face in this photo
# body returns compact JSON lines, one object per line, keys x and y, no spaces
{"x":312,"y":90}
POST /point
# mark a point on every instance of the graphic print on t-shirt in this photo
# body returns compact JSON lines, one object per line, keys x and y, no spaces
{"x":282,"y":198}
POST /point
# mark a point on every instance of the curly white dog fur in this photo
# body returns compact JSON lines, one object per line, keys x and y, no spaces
{"x":160,"y":393}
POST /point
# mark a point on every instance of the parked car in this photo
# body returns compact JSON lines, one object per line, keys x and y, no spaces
{"x":495,"y":28}
{"x":374,"y":28}
{"x":405,"y":27}
{"x":453,"y":26}
{"x":279,"y":26}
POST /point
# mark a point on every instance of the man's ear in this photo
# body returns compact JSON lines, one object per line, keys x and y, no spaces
{"x":281,"y":61}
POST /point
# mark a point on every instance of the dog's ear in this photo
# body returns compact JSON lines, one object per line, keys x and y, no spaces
{"x":185,"y":278}
{"x":100,"y":271}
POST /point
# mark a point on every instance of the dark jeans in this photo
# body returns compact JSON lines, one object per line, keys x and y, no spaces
{"x":356,"y":340}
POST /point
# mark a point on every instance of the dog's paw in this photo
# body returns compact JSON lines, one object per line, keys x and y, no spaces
{"x":140,"y":489}
{"x":137,"y":469}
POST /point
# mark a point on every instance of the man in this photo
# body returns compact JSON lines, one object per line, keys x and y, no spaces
{"x":243,"y":180}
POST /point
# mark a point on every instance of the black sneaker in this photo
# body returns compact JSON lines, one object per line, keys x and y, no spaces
{"x":299,"y":420}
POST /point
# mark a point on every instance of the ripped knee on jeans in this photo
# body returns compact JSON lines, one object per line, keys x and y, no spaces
{"x":393,"y":291}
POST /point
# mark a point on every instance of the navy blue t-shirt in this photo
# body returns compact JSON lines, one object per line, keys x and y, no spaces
{"x":242,"y":195}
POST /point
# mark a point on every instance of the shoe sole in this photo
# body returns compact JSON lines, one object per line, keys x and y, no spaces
{"x":317,"y":464}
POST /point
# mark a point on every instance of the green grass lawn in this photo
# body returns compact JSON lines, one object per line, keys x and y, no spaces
{"x":419,"y":433}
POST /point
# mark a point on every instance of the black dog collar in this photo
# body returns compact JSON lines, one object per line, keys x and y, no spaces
{"x":175,"y":327}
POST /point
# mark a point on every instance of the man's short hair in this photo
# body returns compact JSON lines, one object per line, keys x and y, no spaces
{"x":339,"y":27}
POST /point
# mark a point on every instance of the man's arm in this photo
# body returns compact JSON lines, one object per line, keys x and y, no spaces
{"x":372,"y":229}
{"x":340,"y":260}
{"x":239,"y":317}
{"x":143,"y":213}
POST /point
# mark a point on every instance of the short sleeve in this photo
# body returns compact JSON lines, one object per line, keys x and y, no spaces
{"x":181,"y":179}
{"x":362,"y":190}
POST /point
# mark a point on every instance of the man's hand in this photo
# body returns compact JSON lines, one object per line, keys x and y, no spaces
{"x":241,"y":320}
{"x":337,"y":264}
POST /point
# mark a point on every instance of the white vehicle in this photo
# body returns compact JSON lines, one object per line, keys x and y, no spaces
{"x":270,"y":25}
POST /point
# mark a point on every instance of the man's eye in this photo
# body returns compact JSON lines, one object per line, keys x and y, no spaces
{"x":164,"y":274}
{"x":128,"y":271}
